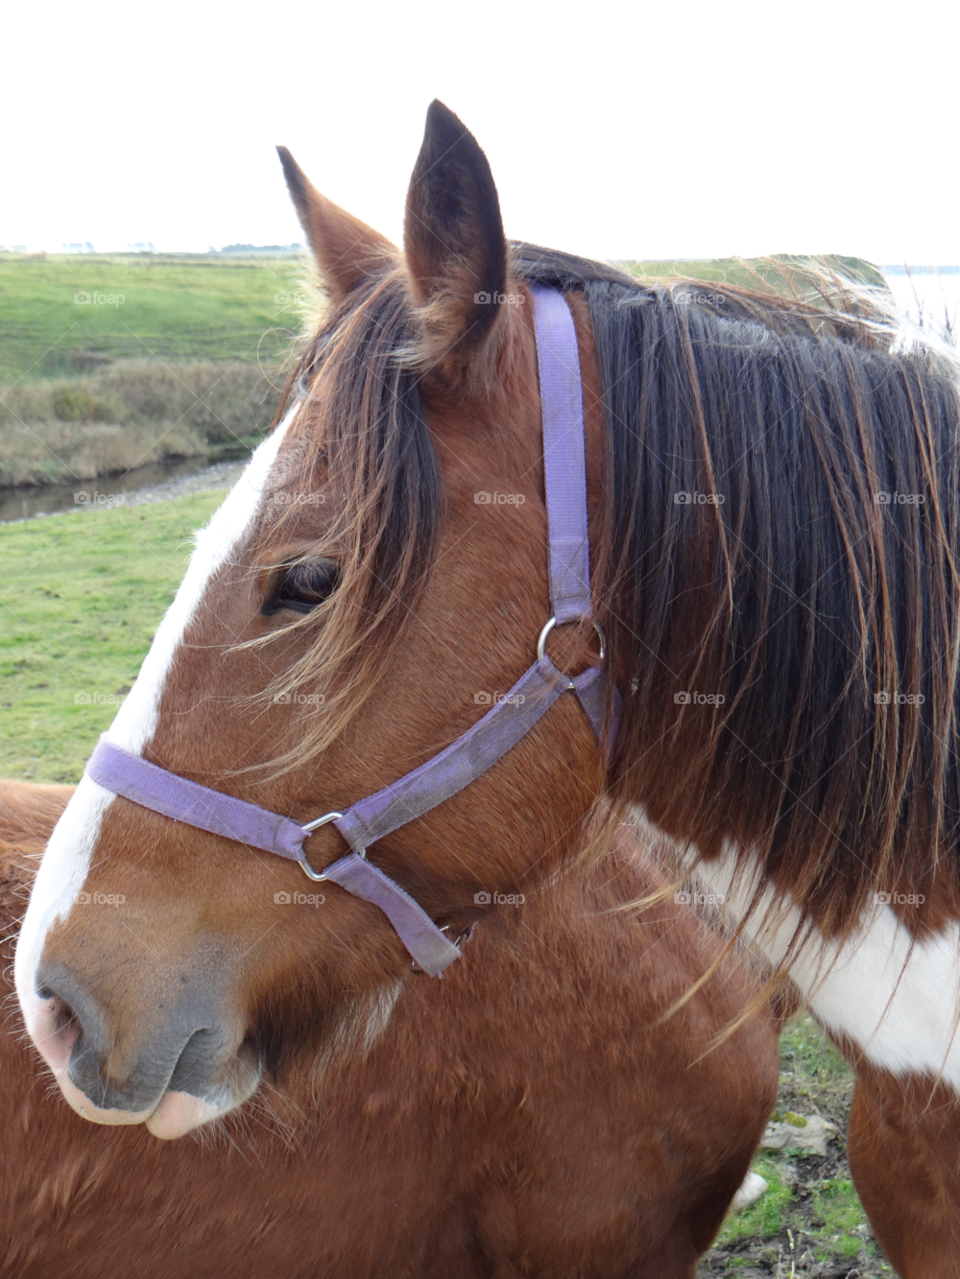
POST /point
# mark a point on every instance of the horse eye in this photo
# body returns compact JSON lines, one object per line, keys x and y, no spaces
{"x":302,"y":587}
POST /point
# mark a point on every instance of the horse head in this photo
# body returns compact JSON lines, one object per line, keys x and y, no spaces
{"x":373,"y":584}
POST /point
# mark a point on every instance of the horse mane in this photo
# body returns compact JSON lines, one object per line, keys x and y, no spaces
{"x":363,"y":430}
{"x":801,"y":603}
{"x":798,"y":601}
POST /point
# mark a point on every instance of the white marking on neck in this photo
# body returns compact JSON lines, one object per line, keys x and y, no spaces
{"x":66,"y":862}
{"x":897,"y":998}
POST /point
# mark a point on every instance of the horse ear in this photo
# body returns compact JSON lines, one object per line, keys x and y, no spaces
{"x":453,"y":238}
{"x":346,"y":249}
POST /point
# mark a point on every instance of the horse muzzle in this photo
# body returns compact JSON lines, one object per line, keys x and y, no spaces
{"x":190,"y":1066}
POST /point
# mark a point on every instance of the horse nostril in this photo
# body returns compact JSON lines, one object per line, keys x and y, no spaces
{"x":56,"y":1025}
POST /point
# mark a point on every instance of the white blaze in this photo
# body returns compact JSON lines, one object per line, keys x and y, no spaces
{"x":69,"y":853}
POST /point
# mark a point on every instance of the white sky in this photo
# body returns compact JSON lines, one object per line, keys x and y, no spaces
{"x":687,"y":130}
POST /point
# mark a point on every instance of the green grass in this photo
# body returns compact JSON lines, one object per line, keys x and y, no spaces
{"x":839,"y":1217}
{"x":190,"y":307}
{"x":814,"y":1078}
{"x":816,"y":1072}
{"x":82,"y":596}
{"x":767,"y":1216}
{"x":745,"y":271}
{"x":173,"y":308}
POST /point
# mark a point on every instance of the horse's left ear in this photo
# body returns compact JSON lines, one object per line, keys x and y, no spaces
{"x":453,"y":239}
{"x":346,"y":249}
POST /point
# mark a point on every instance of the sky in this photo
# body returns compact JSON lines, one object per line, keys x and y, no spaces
{"x":613,"y":130}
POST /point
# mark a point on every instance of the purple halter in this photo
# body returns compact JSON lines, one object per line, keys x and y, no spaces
{"x":470,"y":755}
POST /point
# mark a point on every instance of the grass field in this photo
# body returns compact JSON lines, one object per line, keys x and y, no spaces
{"x":153,"y":307}
{"x":81,"y":599}
{"x":108,"y":363}
{"x":750,"y":272}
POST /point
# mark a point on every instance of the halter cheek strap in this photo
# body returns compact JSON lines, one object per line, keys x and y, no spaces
{"x":475,"y":751}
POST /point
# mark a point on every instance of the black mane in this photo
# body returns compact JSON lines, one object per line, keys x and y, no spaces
{"x":789,"y":587}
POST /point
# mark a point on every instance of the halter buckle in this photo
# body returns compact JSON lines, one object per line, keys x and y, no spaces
{"x":309,"y":828}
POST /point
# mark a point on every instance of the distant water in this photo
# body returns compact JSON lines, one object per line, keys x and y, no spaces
{"x":153,"y":482}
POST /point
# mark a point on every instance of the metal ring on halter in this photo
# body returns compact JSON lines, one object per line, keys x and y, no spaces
{"x":312,"y":826}
{"x":542,"y":641}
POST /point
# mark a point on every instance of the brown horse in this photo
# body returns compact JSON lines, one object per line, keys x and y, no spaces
{"x":774,"y":519}
{"x":527,"y":1115}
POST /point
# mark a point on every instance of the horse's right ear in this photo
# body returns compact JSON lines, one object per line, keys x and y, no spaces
{"x":453,"y":241}
{"x":346,"y":249}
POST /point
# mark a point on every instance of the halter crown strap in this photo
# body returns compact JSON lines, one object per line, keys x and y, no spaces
{"x":477,"y":750}
{"x":564,"y":459}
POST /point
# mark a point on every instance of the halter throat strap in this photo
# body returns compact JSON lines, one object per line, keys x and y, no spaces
{"x":472,"y":754}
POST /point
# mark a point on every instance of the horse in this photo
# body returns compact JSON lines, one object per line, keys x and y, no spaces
{"x":746,"y":601}
{"x":531,"y":1114}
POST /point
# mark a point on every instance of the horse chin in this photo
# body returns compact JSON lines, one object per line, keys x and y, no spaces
{"x":86,"y":1109}
{"x":179,"y":1113}
{"x":176,"y":1114}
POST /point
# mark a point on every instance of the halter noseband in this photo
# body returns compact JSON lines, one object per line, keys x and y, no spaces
{"x":481,"y":746}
